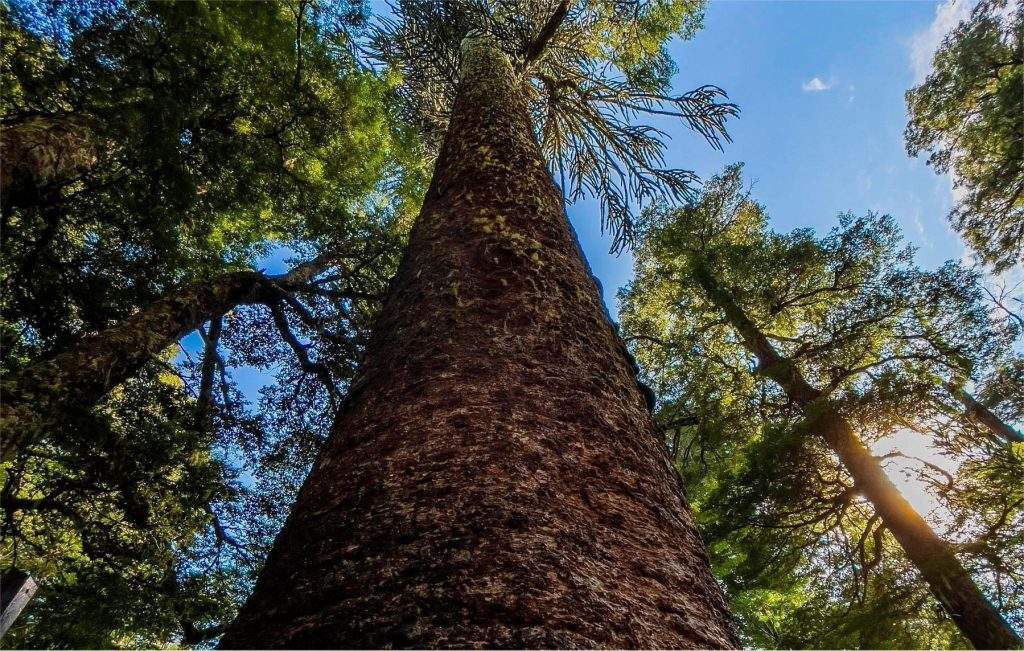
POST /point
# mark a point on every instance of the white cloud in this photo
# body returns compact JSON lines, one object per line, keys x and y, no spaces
{"x":920,"y":230}
{"x":957,"y":192}
{"x":948,"y":15}
{"x":816,"y":85}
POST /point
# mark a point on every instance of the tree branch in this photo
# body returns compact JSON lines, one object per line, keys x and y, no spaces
{"x":301,"y":353}
{"x":210,"y":357}
{"x":536,"y":48}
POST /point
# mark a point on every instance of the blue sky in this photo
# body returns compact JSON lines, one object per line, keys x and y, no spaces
{"x":820,"y":86}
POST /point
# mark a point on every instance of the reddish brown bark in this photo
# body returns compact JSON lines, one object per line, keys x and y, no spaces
{"x":495,"y":479}
{"x":933,"y":557}
{"x":49,"y":393}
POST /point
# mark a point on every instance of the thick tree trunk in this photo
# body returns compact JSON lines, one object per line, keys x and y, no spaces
{"x":495,"y":479}
{"x":954,"y":588}
{"x":995,"y":425}
{"x":51,"y":392}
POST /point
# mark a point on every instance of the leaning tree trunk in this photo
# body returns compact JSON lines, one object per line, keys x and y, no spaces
{"x":50,"y":393}
{"x":999,"y":429}
{"x":933,"y":557}
{"x":494,"y":478}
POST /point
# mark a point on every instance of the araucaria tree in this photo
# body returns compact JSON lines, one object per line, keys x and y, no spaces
{"x":494,"y":477}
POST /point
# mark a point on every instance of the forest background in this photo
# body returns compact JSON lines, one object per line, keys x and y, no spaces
{"x":821,"y":86}
{"x":821,"y":89}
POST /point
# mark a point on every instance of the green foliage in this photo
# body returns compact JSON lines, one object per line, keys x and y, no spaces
{"x":193,"y":159}
{"x":592,"y":70}
{"x":967,"y":115}
{"x":804,"y":558}
{"x":148,"y":145}
{"x":101,"y":525}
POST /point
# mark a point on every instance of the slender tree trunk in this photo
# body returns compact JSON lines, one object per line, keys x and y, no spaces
{"x":954,"y":588}
{"x":51,"y":392}
{"x":1000,"y":429}
{"x":495,"y":479}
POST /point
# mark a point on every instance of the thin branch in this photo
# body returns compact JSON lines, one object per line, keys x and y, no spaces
{"x":302,"y":355}
{"x":536,"y":48}
{"x":209,"y":367}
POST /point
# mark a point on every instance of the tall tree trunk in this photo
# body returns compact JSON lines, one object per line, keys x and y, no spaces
{"x":996,"y":426}
{"x":954,"y":588}
{"x":495,"y":478}
{"x":49,"y":393}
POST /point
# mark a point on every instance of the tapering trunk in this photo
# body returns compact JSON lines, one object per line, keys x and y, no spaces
{"x":51,"y":393}
{"x":996,"y":426}
{"x":495,"y":478}
{"x":933,"y":557}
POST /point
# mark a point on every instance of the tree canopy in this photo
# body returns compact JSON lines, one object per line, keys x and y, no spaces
{"x":593,"y":71}
{"x":158,"y":154}
{"x":967,"y":117}
{"x":806,"y":561}
{"x":138,"y":166}
{"x":136,"y":162}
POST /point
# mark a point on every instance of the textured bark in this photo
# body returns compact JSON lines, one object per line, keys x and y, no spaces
{"x":39,"y":157}
{"x":51,"y":392}
{"x":933,"y":557}
{"x":495,"y":479}
{"x":996,"y":426}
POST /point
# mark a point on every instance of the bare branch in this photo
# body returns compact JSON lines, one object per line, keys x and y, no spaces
{"x":302,"y":355}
